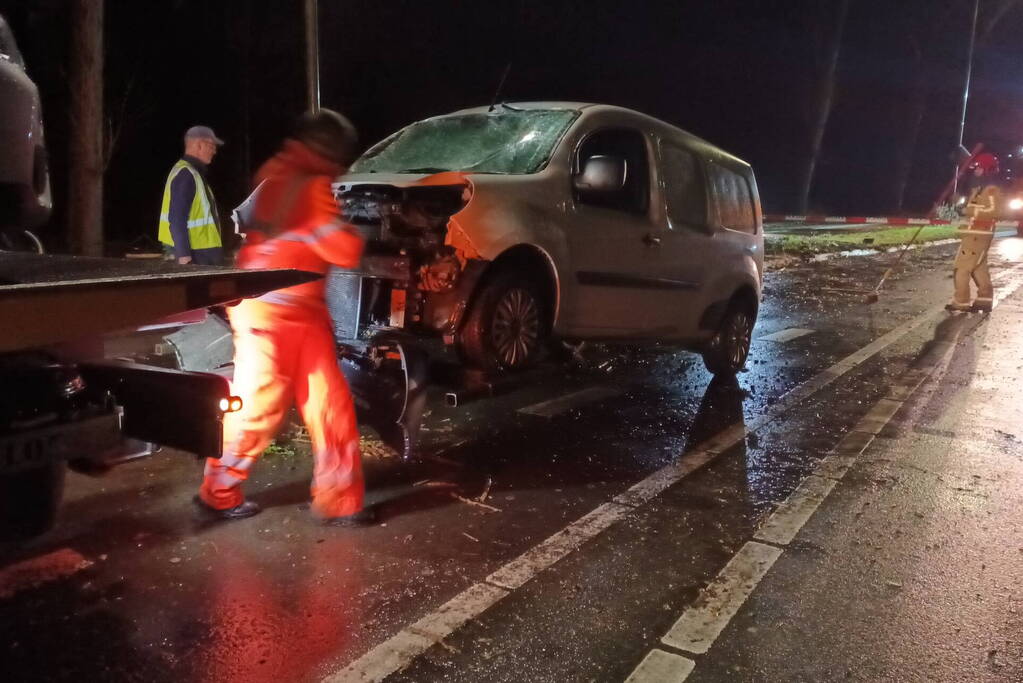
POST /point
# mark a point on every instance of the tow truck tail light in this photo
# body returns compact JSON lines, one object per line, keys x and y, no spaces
{"x":231,"y":404}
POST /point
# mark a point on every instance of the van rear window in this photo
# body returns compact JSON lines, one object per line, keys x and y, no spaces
{"x":732,"y":199}
{"x":683,"y":187}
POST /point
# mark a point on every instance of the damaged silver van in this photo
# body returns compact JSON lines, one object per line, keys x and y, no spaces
{"x":496,"y":229}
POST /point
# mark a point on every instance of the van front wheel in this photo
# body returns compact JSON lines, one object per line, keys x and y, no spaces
{"x":506,"y":327}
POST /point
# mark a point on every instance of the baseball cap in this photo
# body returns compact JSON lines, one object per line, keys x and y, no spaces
{"x":203,"y":133}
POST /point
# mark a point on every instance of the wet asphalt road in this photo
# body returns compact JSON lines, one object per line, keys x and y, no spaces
{"x":132,"y":585}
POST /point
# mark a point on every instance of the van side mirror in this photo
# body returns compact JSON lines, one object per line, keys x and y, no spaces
{"x":601,"y":174}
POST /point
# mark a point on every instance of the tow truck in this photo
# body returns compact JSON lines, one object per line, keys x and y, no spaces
{"x":62,"y":403}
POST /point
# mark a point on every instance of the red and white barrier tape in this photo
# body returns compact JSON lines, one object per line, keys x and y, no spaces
{"x":879,"y":220}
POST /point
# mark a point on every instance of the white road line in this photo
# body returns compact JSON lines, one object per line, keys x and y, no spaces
{"x":463,"y":607}
{"x":878,"y":416}
{"x":786,"y":521}
{"x":785,"y":335}
{"x":398,"y":652}
{"x":533,"y":561}
{"x":853,"y":443}
{"x":703,"y":622}
{"x":835,"y":466}
{"x":719,"y":601}
{"x":394,"y":654}
{"x":562,"y":404}
{"x":39,"y":570}
{"x":666,"y":477}
{"x":662,"y":667}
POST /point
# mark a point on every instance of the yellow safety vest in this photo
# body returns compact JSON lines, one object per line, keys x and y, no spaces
{"x":203,"y":232}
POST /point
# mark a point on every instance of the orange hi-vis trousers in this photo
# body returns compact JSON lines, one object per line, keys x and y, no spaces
{"x":283,"y":353}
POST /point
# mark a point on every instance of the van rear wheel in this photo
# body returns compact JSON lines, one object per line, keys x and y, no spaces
{"x":506,"y":327}
{"x":726,"y":352}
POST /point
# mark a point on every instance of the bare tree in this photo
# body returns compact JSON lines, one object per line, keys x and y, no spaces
{"x":923,"y":31}
{"x":823,"y":100}
{"x":993,"y":13}
{"x":85,"y":205}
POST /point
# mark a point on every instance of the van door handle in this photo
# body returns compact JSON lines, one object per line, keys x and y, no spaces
{"x":651,"y":240}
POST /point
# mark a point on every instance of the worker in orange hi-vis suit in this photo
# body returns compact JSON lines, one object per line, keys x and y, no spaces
{"x":284,"y":345}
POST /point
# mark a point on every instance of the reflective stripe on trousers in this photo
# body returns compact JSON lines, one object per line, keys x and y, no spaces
{"x":276,"y":360}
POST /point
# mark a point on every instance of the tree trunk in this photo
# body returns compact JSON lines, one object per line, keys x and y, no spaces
{"x":904,"y":164}
{"x":825,"y":100}
{"x":85,"y":200}
{"x":918,"y":107}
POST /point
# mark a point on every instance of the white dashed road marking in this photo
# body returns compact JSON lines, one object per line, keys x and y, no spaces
{"x":701,"y":624}
{"x":789,"y":334}
{"x":562,"y":404}
{"x":662,"y":667}
{"x":782,"y":526}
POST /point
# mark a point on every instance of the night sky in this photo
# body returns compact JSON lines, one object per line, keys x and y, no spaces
{"x":739,"y":73}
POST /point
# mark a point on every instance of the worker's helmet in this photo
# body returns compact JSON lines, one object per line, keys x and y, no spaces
{"x":329,"y":134}
{"x":986,"y":162}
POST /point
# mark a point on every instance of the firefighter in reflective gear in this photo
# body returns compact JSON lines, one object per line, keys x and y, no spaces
{"x":284,"y":344}
{"x":971,"y":259}
{"x":189,"y":228}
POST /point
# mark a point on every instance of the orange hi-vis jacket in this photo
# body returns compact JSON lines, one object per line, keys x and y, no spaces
{"x":298,"y":224}
{"x":283,"y":344}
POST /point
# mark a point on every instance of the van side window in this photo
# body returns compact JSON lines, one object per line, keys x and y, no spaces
{"x":684,"y":187}
{"x":630,"y":146}
{"x":732,"y":199}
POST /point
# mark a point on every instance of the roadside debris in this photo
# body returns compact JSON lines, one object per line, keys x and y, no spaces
{"x":486,"y":492}
{"x":470,"y":501}
{"x":427,"y":483}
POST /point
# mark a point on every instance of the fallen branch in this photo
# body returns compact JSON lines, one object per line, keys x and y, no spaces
{"x":434,"y":484}
{"x":486,"y":491}
{"x":470,"y":501}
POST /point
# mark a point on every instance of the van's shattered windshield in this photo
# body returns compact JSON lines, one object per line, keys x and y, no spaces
{"x":504,"y":141}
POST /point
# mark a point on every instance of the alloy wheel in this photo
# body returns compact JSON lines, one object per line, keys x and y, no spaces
{"x":515,"y":331}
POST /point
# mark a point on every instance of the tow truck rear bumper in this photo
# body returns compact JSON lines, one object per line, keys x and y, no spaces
{"x":90,"y":438}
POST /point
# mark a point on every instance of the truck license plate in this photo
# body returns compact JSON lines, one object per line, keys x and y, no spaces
{"x":70,"y":440}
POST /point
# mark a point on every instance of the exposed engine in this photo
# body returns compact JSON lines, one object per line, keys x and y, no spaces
{"x":412,"y":218}
{"x":409,"y":261}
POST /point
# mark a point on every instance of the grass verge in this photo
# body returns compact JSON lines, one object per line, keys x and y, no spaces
{"x":811,"y":243}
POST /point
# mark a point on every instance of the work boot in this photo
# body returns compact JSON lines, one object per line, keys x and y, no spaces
{"x":954,"y":305}
{"x":983,"y":305}
{"x":364,"y":517}
{"x":247,"y":508}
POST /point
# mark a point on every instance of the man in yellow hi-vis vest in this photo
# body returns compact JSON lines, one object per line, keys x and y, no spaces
{"x":189,"y":224}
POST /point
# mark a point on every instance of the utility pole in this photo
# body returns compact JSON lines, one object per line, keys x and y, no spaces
{"x":85,"y":201}
{"x":966,"y":87}
{"x":312,"y":54}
